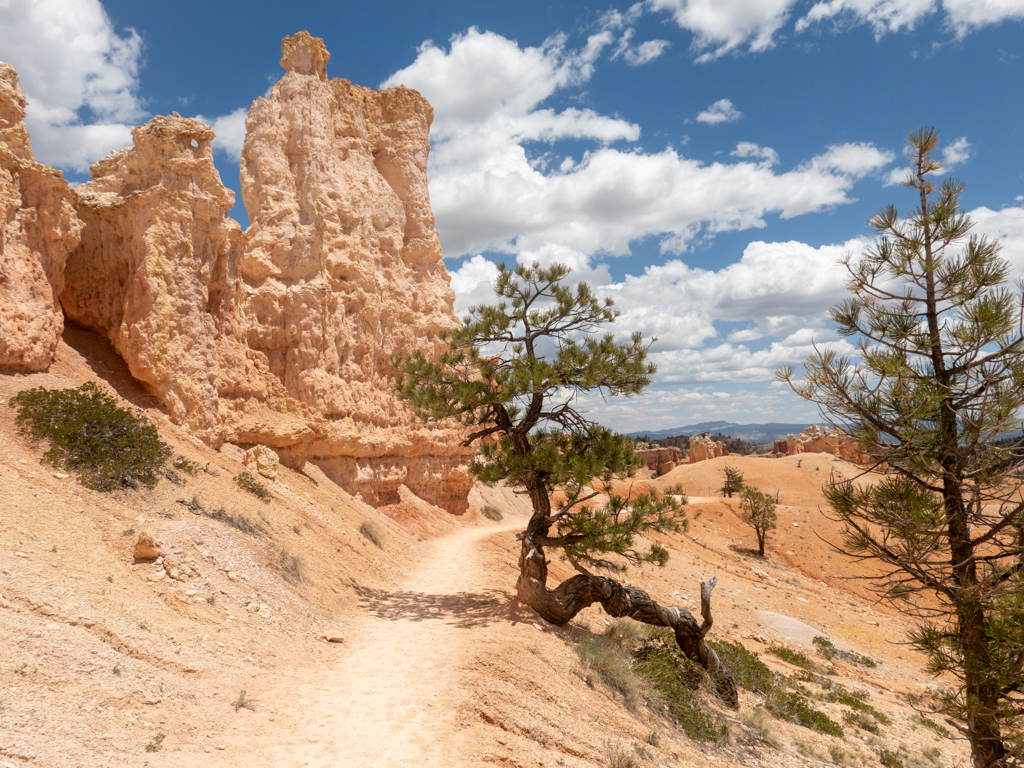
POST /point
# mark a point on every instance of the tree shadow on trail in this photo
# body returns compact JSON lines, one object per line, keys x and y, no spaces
{"x":463,"y":609}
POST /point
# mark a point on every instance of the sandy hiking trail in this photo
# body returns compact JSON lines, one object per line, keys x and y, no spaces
{"x":387,"y":699}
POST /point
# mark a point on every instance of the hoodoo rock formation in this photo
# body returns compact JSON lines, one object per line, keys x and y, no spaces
{"x":280,"y":336}
{"x":38,"y":228}
{"x":343,"y":269}
{"x":156,"y":273}
{"x":815,"y":439}
{"x":702,"y":448}
{"x":661,"y":460}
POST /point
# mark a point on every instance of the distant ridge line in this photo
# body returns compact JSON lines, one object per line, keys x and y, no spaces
{"x":749,"y":433}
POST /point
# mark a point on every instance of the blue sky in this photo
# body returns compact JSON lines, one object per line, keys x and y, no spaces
{"x":704,"y":162}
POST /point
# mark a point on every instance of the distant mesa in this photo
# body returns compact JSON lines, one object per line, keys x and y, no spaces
{"x":280,"y":335}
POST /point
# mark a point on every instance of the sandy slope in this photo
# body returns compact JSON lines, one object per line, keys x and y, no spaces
{"x":440,"y":666}
{"x":383,"y":701}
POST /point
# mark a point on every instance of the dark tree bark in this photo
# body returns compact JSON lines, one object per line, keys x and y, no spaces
{"x":561,"y":604}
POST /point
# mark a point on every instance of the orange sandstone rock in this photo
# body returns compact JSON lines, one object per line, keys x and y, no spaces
{"x":661,"y":460}
{"x":702,"y":448}
{"x":816,"y":439}
{"x":282,"y":336}
{"x":343,"y":269}
{"x":156,"y":273}
{"x":38,"y":228}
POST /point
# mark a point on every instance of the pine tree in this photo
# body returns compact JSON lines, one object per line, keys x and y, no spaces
{"x":512,"y":375}
{"x":759,"y":513}
{"x":733,"y":481}
{"x":940,"y":377}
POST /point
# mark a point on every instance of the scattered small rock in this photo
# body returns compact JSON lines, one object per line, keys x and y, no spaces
{"x":263,"y":460}
{"x":333,"y":637}
{"x":146,"y":548}
{"x":232,"y":451}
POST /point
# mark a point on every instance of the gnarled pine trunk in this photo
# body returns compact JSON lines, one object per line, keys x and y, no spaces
{"x":559,"y":605}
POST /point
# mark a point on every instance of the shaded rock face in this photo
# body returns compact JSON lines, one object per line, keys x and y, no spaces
{"x":662,"y":460}
{"x":815,"y":439}
{"x":702,"y":448}
{"x":38,"y":228}
{"x":281,"y":336}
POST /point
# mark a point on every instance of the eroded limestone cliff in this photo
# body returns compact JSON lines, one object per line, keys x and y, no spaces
{"x":156,"y":272}
{"x":282,"y":335}
{"x":343,"y":268}
{"x":38,"y":228}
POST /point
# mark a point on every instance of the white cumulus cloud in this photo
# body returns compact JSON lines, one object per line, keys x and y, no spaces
{"x":722,"y":111}
{"x":882,"y":15}
{"x":79,"y":74}
{"x":727,"y":26}
{"x":638,"y":55}
{"x":722,"y":27}
{"x":965,"y":16}
{"x":955,"y":154}
{"x":885,"y":16}
{"x":492,"y":190}
{"x":1007,"y":226}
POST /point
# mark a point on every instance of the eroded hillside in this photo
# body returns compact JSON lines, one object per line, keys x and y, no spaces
{"x":438,"y":665}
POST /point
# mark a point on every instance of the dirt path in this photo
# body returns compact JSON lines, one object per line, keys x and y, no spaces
{"x":386,"y":699}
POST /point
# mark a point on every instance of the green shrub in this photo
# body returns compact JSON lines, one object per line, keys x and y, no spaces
{"x":244,"y":701}
{"x":184,"y":465}
{"x":603,"y":658}
{"x":795,"y":707}
{"x":674,"y":679}
{"x":857,"y":701}
{"x":784,"y":698}
{"x":247,"y":482}
{"x":828,"y":649}
{"x":619,"y":757}
{"x":238,"y":522}
{"x":858,"y":720}
{"x":795,"y":658}
{"x":939,"y":729}
{"x":748,"y":670}
{"x":492,"y":513}
{"x":292,"y":567}
{"x":106,"y":446}
{"x":890,"y":759}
